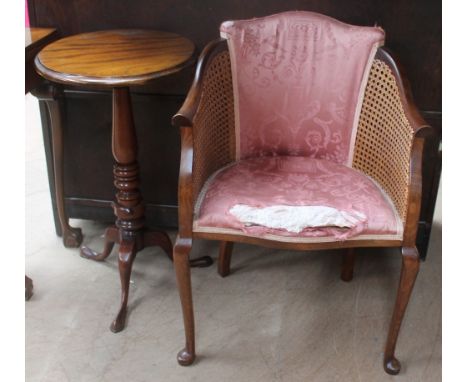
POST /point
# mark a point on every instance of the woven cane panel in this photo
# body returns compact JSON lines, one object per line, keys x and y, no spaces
{"x":214,"y":131}
{"x":384,"y":137}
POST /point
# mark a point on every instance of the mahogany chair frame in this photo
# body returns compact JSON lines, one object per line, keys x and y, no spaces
{"x":184,"y":120}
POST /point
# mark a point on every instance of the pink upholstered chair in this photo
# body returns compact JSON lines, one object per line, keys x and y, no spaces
{"x":299,"y":132}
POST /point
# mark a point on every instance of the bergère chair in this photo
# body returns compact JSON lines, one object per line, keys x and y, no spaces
{"x":299,"y":132}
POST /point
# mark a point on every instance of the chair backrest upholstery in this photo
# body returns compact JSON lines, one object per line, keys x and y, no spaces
{"x":298,"y":82}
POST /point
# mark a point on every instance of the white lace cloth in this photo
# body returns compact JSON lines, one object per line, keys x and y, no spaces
{"x":295,"y":218}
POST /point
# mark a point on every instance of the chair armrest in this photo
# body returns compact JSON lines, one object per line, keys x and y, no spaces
{"x":415,"y":118}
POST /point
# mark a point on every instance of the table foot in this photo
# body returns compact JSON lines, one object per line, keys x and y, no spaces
{"x":119,"y":323}
{"x":72,"y":237}
{"x":111,"y":236}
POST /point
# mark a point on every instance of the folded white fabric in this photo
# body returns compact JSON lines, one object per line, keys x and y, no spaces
{"x":295,"y":218}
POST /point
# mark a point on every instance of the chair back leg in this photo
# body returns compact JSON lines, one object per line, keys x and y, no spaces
{"x":181,"y":255}
{"x":224,"y":258}
{"x":409,"y":271}
{"x":347,"y":266}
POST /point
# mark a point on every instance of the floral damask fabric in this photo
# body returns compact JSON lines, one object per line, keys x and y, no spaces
{"x":296,"y":181}
{"x":297,"y":81}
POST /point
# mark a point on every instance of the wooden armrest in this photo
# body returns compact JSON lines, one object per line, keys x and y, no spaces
{"x":186,"y":114}
{"x":416,"y":120}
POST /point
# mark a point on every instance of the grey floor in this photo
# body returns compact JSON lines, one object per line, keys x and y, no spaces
{"x":280,"y":316}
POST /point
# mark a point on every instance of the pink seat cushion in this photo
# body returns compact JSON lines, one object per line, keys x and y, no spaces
{"x":296,"y":181}
{"x":298,"y":83}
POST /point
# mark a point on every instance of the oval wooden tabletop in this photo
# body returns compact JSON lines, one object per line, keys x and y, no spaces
{"x":114,"y":58}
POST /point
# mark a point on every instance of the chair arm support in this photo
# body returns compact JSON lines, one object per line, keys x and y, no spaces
{"x":414,"y":193}
{"x":186,"y":114}
{"x":185,"y":191}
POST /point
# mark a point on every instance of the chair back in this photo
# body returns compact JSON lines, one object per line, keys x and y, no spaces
{"x":299,"y":80}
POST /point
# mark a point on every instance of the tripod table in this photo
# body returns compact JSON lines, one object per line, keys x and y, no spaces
{"x":116,"y":60}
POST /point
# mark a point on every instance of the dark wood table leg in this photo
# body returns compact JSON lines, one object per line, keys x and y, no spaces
{"x":129,"y":231}
{"x":53,"y":97}
{"x":128,"y":206}
{"x":111,"y":236}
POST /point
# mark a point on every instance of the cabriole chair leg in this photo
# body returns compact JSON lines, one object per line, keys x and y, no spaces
{"x":182,"y":249}
{"x":409,"y":271}
{"x":347,"y":265}
{"x":224,"y":258}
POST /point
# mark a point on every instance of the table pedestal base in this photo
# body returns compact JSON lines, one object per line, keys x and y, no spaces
{"x":129,"y":246}
{"x":128,"y":231}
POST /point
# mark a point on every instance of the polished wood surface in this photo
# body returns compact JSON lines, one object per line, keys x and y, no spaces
{"x":115,"y":58}
{"x":185,"y":119}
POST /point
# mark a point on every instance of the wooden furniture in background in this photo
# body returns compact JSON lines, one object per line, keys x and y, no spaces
{"x":206,"y":123}
{"x":88,"y":190}
{"x":113,"y":59}
{"x":35,"y":40}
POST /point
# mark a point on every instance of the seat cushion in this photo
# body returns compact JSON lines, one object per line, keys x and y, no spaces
{"x":296,"y":181}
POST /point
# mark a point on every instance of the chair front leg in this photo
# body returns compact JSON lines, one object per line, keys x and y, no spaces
{"x":181,"y":255}
{"x":409,"y":271}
